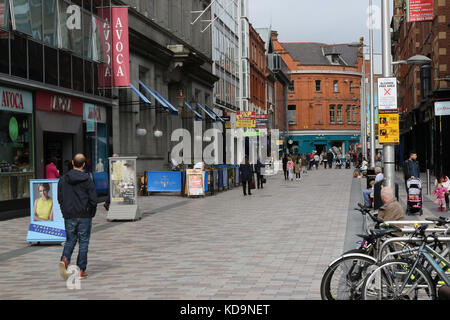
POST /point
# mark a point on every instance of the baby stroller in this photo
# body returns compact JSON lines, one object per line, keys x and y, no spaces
{"x":414,"y":199}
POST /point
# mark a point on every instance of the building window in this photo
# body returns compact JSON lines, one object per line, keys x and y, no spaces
{"x":335,"y":86}
{"x":332,"y":114}
{"x":292,"y":114}
{"x":351,"y":87}
{"x":355,"y":114}
{"x":291,"y":86}
{"x":349,"y":114}
{"x":339,"y":113}
{"x":318,"y":86}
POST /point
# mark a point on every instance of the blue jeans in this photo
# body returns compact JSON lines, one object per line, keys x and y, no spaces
{"x":366,"y":195}
{"x":78,"y":229}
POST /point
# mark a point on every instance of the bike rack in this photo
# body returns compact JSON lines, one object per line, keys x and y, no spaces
{"x":407,"y":240}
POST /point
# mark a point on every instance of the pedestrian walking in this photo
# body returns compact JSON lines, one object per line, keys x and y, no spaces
{"x":324,"y":159}
{"x":78,"y":202}
{"x":246,"y":174}
{"x":304,"y":164}
{"x":290,"y":168}
{"x":51,"y":171}
{"x":445,"y":181}
{"x":259,"y":176}
{"x":330,"y":157}
{"x":440,"y":192}
{"x":411,"y":168}
{"x":285,"y":160}
{"x":298,"y":168}
{"x":316,"y":160}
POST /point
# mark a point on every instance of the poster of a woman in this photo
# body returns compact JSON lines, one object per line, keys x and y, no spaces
{"x":43,"y":206}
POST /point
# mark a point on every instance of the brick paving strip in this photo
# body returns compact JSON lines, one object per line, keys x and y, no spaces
{"x":275,"y":244}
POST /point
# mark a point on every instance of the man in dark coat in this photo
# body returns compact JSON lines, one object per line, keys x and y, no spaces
{"x":78,"y":201}
{"x":259,"y":176}
{"x":285,"y":161}
{"x":246,"y":174}
{"x":330,"y":158}
{"x":411,"y":167}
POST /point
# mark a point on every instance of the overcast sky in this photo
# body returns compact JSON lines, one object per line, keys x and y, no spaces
{"x":327,"y":21}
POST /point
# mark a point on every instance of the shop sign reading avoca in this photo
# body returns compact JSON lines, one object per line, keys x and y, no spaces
{"x":16,"y":100}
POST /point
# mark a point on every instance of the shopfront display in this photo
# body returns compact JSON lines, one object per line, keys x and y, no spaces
{"x":123,"y":189}
{"x":16,"y":141}
{"x":96,"y":146}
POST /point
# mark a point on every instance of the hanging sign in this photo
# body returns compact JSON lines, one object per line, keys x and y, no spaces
{"x":388,"y":127}
{"x":419,"y":10}
{"x":115,"y":43}
{"x":387,"y":93}
{"x":442,"y":108}
{"x":245,"y":119}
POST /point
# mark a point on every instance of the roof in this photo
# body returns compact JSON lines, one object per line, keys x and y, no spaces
{"x":313,"y":53}
{"x":266,"y":36}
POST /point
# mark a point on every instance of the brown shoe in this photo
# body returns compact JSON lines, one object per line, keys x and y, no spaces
{"x":83,"y":275}
{"x":63,"y":265}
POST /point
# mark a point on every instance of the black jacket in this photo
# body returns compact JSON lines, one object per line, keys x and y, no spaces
{"x":411,"y":168}
{"x":76,"y":195}
{"x":245,"y":172}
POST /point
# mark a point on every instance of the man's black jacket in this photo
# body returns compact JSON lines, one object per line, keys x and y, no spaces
{"x":76,"y":195}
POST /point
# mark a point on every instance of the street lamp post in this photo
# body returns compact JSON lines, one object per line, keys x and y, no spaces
{"x":372,"y":105}
{"x":388,"y":149}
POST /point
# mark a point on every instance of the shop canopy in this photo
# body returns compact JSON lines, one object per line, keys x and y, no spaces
{"x":198,"y":116}
{"x":212,"y":110}
{"x":144,"y":98}
{"x":207,"y":112}
{"x":160,"y":98}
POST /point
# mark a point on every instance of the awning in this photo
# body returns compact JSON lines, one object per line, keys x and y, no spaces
{"x":207,"y":112}
{"x":212,"y":110}
{"x":144,"y":98}
{"x":158,"y":97}
{"x":198,"y":116}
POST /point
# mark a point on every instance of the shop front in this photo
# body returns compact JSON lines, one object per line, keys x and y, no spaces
{"x":322,"y":142}
{"x":96,"y":143}
{"x":59,"y":130}
{"x":16,"y":151}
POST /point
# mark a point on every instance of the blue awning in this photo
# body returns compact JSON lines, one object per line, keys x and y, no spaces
{"x":144,"y":98}
{"x":207,"y":112}
{"x":198,"y":116}
{"x":212,"y":110}
{"x":158,"y":97}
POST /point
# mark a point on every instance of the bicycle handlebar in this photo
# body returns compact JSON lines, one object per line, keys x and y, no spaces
{"x":439,"y":221}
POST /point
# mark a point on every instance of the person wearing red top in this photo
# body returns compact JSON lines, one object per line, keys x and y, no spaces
{"x":51,"y":172}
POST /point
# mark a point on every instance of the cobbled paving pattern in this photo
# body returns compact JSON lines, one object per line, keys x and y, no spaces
{"x":275,"y":244}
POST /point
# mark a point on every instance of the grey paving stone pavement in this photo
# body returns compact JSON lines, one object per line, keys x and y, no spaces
{"x":275,"y":244}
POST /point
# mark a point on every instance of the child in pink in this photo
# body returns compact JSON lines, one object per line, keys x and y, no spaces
{"x":440,"y":192}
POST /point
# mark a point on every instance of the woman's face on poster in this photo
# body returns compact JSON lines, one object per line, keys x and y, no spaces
{"x":43,"y":192}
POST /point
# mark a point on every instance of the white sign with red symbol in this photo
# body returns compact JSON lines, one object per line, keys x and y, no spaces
{"x":387,"y":93}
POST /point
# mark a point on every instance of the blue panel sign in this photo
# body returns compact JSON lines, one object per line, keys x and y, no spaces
{"x":206,"y":181}
{"x":101,"y":182}
{"x":46,"y":220}
{"x":164,"y":181}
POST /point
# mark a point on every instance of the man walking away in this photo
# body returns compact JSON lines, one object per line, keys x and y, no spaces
{"x":330,"y":159}
{"x":285,"y":160}
{"x":246,"y":174}
{"x":78,"y":201}
{"x":259,"y":176}
{"x":411,"y":168}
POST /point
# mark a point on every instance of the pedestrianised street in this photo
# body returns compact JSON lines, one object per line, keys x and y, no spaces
{"x":274,"y":244}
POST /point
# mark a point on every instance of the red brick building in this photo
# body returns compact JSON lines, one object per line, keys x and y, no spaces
{"x":257,"y":73}
{"x":324,"y":96}
{"x":419,"y":87}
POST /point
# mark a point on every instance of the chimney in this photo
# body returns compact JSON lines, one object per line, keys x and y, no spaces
{"x":274,"y":35}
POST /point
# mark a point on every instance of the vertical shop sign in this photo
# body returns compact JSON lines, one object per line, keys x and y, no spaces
{"x":115,"y":42}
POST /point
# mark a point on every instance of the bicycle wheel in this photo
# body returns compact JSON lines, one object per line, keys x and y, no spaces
{"x":390,"y":281}
{"x":344,"y":278}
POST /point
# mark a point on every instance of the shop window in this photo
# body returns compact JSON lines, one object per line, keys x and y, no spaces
{"x":18,"y":55}
{"x":51,"y":65}
{"x":77,"y":73}
{"x":349,"y":114}
{"x":335,"y":86}
{"x":4,"y":13}
{"x":16,"y":164}
{"x":87,"y":32}
{"x":355,"y":114}
{"x":35,"y":61}
{"x":65,"y":74}
{"x":4,"y":52}
{"x":50,"y":22}
{"x":88,"y":73}
{"x":36,"y":19}
{"x":22,"y":17}
{"x":292,"y":114}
